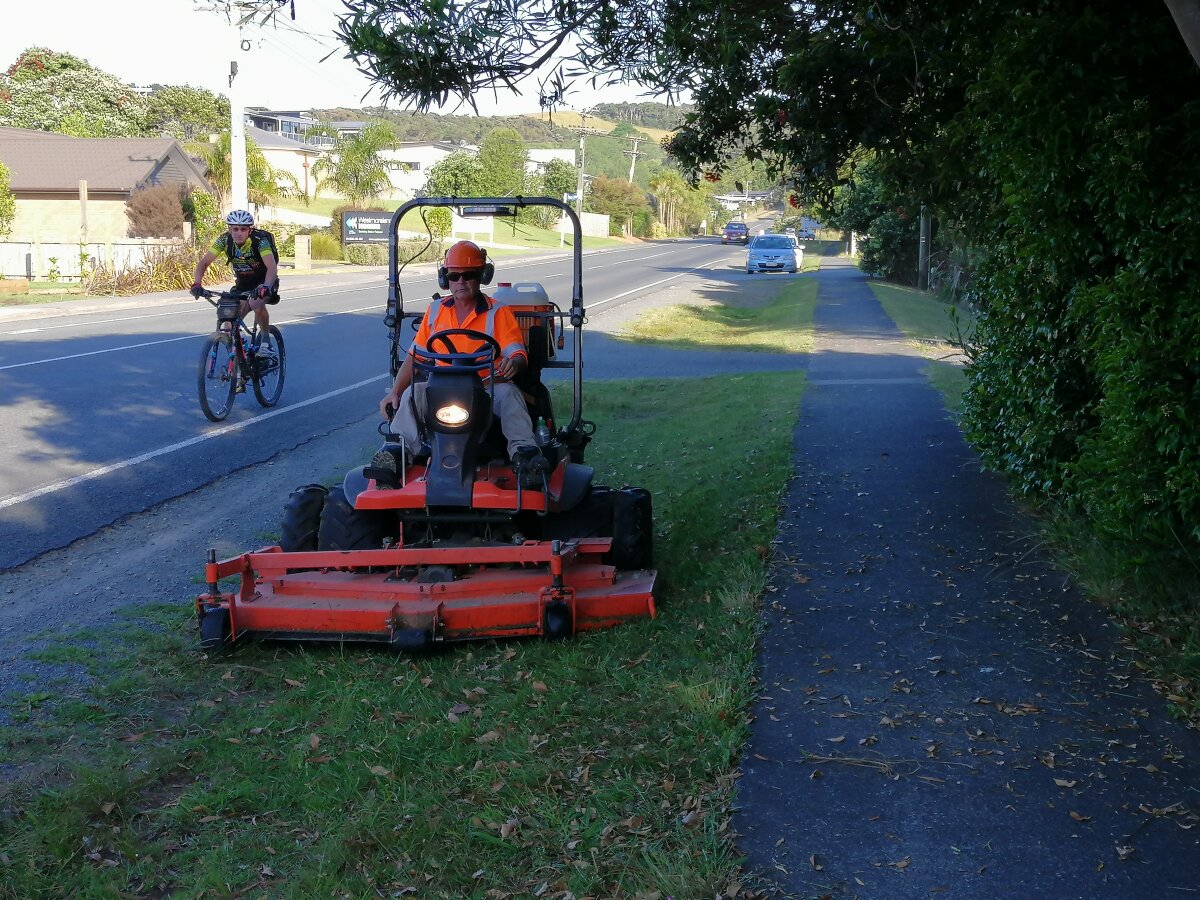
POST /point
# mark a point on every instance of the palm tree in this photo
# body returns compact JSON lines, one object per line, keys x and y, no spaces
{"x":354,"y":168}
{"x":668,"y":188}
{"x":265,"y":186}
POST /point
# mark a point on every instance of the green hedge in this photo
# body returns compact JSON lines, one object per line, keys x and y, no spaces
{"x":1085,"y":386}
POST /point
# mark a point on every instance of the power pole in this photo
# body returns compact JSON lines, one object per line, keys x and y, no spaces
{"x":240,"y":14}
{"x":583,"y":129}
{"x":923,"y":251}
{"x":633,"y":156}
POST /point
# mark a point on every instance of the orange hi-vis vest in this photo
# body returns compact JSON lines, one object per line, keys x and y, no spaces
{"x":496,"y":321}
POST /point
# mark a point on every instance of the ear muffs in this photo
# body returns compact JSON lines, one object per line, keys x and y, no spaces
{"x":485,"y":274}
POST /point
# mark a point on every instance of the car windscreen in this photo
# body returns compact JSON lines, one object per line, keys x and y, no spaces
{"x":773,"y":242}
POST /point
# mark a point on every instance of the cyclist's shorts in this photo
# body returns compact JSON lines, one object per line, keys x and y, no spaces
{"x":251,"y":284}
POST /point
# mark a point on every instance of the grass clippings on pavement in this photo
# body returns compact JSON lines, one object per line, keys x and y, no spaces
{"x":604,"y":765}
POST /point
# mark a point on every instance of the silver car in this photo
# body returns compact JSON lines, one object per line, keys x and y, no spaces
{"x":771,"y":253}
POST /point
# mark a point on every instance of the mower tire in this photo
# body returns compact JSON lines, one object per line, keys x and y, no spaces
{"x":302,"y":518}
{"x":626,"y":516}
{"x":215,"y":631}
{"x":345,"y":528}
{"x":632,"y":529}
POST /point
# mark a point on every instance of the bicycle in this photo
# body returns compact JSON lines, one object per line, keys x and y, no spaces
{"x":234,"y":355}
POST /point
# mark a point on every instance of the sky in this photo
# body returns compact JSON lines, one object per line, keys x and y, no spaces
{"x":190,"y":42}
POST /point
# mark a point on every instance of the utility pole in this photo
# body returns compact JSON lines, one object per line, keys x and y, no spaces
{"x":240,"y":14}
{"x":584,"y":115}
{"x":633,"y":156}
{"x":923,"y":252}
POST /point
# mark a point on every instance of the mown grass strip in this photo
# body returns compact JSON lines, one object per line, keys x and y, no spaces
{"x":937,"y":328}
{"x":782,"y":325}
{"x":602,"y":766}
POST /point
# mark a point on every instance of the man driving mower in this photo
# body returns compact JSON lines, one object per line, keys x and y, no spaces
{"x":463,"y":270}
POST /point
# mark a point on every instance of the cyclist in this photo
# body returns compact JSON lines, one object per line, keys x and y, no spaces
{"x":252,"y":258}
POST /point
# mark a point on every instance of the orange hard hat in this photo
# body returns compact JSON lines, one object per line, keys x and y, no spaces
{"x":465,"y":255}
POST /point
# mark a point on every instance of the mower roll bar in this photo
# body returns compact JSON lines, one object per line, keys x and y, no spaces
{"x":479,"y":207}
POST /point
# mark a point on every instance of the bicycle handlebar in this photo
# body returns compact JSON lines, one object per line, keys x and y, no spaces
{"x":214,"y":297}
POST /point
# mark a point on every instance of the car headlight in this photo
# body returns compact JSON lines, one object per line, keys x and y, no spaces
{"x":452,"y":414}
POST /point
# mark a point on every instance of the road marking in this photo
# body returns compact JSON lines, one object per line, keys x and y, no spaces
{"x":591,"y":306}
{"x":186,"y":337}
{"x":181,"y":445}
{"x":159,"y":315}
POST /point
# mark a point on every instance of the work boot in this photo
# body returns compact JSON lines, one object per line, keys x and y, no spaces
{"x":531,"y":467}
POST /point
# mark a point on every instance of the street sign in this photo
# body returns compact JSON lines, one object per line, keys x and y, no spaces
{"x":365,"y":226}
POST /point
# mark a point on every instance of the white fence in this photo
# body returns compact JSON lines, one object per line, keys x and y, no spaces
{"x":46,"y":261}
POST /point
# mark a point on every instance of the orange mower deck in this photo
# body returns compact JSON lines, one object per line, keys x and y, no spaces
{"x":544,"y":588}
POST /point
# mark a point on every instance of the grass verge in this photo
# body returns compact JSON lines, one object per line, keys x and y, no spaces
{"x":782,"y":325}
{"x":937,"y":329}
{"x":42,"y":292}
{"x":599,"y":766}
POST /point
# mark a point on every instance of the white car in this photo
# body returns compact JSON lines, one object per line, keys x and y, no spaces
{"x":771,"y":253}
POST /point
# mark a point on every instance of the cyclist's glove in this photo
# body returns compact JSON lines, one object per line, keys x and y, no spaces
{"x":197,"y":291}
{"x":263,"y":292}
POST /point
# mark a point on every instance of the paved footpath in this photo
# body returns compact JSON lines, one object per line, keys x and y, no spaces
{"x":941,"y":713}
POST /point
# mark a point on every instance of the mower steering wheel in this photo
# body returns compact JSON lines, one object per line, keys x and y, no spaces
{"x":455,"y":356}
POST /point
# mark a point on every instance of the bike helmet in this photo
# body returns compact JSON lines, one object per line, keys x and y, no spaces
{"x":239,"y":217}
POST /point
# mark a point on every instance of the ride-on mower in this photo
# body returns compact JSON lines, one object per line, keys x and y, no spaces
{"x":451,"y":540}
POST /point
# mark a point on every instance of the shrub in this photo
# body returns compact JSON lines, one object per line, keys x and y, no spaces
{"x":167,"y":268}
{"x":205,"y":216}
{"x":367,"y":254}
{"x":325,"y":246}
{"x":408,"y":252}
{"x":155,"y":212}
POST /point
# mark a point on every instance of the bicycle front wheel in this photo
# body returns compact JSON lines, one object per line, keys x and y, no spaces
{"x":269,"y":367}
{"x":217,"y":377}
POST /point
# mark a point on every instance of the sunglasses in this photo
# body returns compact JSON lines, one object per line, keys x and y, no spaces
{"x":459,"y":276}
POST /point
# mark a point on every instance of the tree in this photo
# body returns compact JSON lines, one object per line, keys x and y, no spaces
{"x":1057,"y":137}
{"x":48,"y":91}
{"x":186,"y":113}
{"x":618,"y":199}
{"x":502,"y":157}
{"x":559,"y":178}
{"x":8,"y":204}
{"x":354,"y":167}
{"x":458,"y":175}
{"x":264,"y":185}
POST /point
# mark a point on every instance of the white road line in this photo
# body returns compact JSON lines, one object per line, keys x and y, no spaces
{"x":181,"y":445}
{"x":158,"y":315}
{"x":186,"y":337}
{"x":593,"y":305}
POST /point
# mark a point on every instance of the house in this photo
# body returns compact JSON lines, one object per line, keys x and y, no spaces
{"x":73,"y":190}
{"x":409,"y":163}
{"x":289,"y":154}
{"x":290,"y":125}
{"x":539,"y":158}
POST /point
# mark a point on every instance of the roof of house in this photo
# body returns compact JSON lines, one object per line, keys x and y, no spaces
{"x":41,"y":161}
{"x":270,"y":140}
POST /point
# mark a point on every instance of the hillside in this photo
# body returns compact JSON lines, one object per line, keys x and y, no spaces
{"x":566,"y":119}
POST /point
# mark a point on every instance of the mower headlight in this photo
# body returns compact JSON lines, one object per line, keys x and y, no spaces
{"x":452,"y":414}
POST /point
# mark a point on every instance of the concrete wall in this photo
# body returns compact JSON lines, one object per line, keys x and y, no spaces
{"x":51,"y":219}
